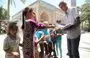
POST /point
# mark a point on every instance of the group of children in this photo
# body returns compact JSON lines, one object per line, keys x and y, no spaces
{"x":45,"y":43}
{"x":49,"y":43}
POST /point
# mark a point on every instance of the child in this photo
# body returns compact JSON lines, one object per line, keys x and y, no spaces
{"x":53,"y":38}
{"x":30,"y":27}
{"x":48,"y":41}
{"x":58,"y":42}
{"x":38,"y":51}
{"x":11,"y":42}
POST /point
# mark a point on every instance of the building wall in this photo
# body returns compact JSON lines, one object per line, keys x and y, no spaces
{"x":17,"y":16}
{"x":50,"y":14}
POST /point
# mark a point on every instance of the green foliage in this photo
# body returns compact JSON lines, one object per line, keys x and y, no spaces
{"x":3,"y":16}
{"x":85,"y":15}
{"x":3,"y":13}
{"x":12,"y":2}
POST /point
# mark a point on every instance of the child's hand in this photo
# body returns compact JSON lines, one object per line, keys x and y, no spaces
{"x":9,"y":54}
{"x":46,"y":37}
{"x":21,"y":45}
{"x":59,"y":34}
{"x":50,"y":26}
{"x":58,"y":28}
{"x":42,"y":38}
{"x":15,"y":53}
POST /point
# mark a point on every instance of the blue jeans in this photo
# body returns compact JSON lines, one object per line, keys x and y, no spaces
{"x":58,"y":47}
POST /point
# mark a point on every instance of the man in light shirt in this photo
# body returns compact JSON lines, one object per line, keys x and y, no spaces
{"x":73,"y":30}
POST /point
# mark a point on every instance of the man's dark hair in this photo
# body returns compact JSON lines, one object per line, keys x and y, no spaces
{"x":62,"y":3}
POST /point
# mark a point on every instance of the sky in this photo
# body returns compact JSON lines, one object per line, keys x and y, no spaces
{"x":19,"y":5}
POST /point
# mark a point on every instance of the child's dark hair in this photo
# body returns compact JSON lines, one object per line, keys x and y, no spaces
{"x":31,"y":10}
{"x":23,"y":16}
{"x":12,"y":26}
{"x":58,"y":21}
{"x":24,"y":13}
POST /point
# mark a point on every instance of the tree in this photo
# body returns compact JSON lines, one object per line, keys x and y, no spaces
{"x":12,"y":2}
{"x":3,"y":13}
{"x":85,"y":15}
{"x":3,"y":16}
{"x":87,"y":1}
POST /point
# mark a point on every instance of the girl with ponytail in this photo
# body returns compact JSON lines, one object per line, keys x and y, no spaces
{"x":29,"y":26}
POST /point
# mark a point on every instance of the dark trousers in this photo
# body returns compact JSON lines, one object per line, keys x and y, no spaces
{"x":41,"y":54}
{"x":50,"y":47}
{"x":54,"y":49}
{"x":73,"y":45}
{"x":43,"y":47}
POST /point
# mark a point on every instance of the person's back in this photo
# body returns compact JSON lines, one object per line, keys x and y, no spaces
{"x":38,"y":34}
{"x":47,"y":32}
